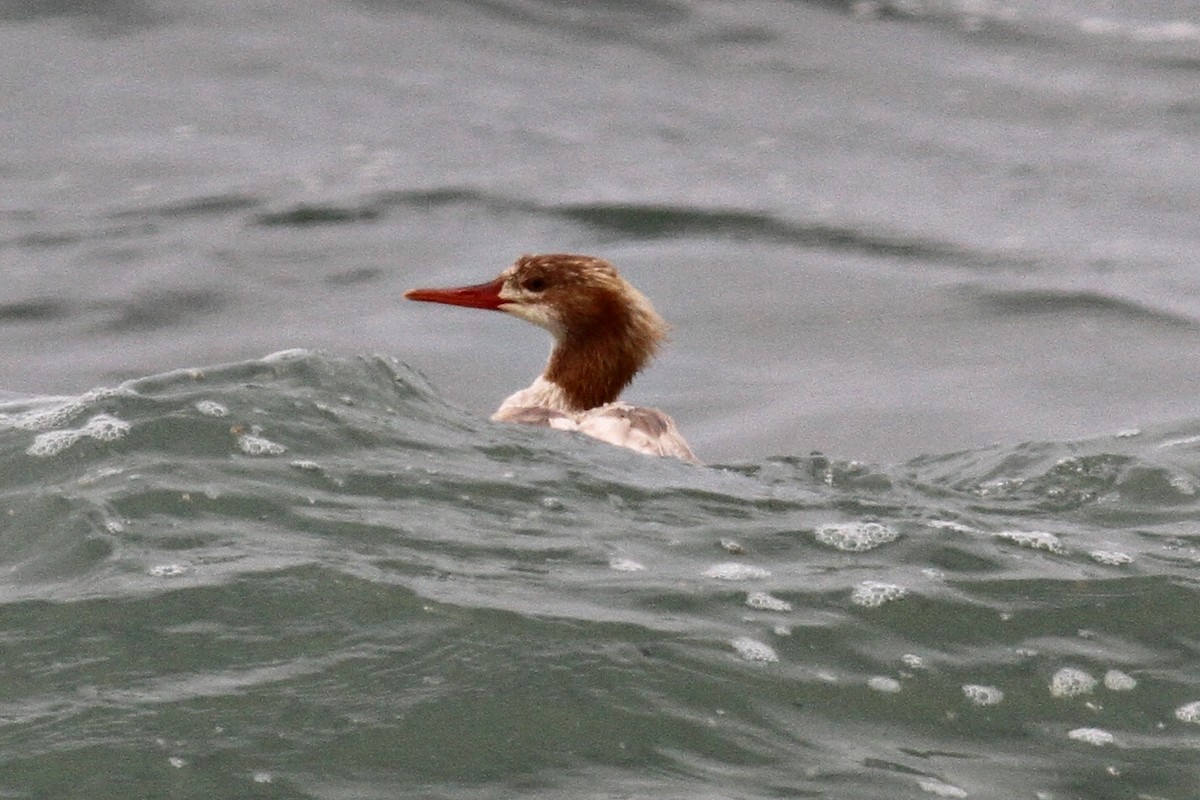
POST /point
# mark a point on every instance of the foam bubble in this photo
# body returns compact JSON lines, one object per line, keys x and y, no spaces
{"x":754,"y":650}
{"x":43,"y":419}
{"x":52,"y":443}
{"x":57,"y":415}
{"x":1071,"y":682}
{"x":1035,"y":540}
{"x":732,"y":546}
{"x":168,"y":570}
{"x":1117,"y":681}
{"x":982,"y":695}
{"x":912,"y":661}
{"x":884,"y":684}
{"x":102,"y":427}
{"x":254,"y":445}
{"x":855,"y":537}
{"x":625,"y":565}
{"x":1111,"y":558}
{"x":105,"y":428}
{"x":211,"y":408}
{"x":730,"y":571}
{"x":765,"y":602}
{"x":1189,"y":713}
{"x":872,"y":594}
{"x":1096,"y":736}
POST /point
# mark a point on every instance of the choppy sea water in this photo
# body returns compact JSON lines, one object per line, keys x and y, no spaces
{"x":950,"y":246}
{"x":308,"y":576}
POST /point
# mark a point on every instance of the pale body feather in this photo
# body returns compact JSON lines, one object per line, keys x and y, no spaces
{"x":644,"y":430}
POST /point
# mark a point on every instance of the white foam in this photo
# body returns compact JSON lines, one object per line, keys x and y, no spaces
{"x":754,"y":650}
{"x":57,"y":415}
{"x":625,"y":565}
{"x":43,"y":419}
{"x":983,"y":695}
{"x":211,"y":408}
{"x":872,"y":594}
{"x":1035,"y":540}
{"x":1095,"y":736}
{"x":168,"y":570}
{"x":52,"y":443}
{"x":1189,"y":713}
{"x":855,"y":537}
{"x":254,"y":445}
{"x":105,"y":428}
{"x":1117,"y":681}
{"x":912,"y":661}
{"x":765,"y":602}
{"x":1071,"y":682}
{"x":884,"y":684}
{"x":102,"y":428}
{"x":1111,"y":558}
{"x":731,"y":571}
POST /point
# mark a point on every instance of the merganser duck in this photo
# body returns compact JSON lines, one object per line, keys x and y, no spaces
{"x":604,"y":333}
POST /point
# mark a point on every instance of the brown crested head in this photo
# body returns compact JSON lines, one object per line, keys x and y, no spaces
{"x":577,"y":296}
{"x":605,"y":330}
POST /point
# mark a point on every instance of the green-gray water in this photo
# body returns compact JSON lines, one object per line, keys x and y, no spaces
{"x":307,"y":576}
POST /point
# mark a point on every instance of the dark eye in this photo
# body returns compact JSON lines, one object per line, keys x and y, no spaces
{"x":535,"y":285}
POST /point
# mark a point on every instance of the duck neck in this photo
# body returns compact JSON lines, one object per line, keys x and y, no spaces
{"x":593,"y":370}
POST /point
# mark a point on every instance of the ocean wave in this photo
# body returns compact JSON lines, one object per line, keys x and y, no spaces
{"x":381,"y":554}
